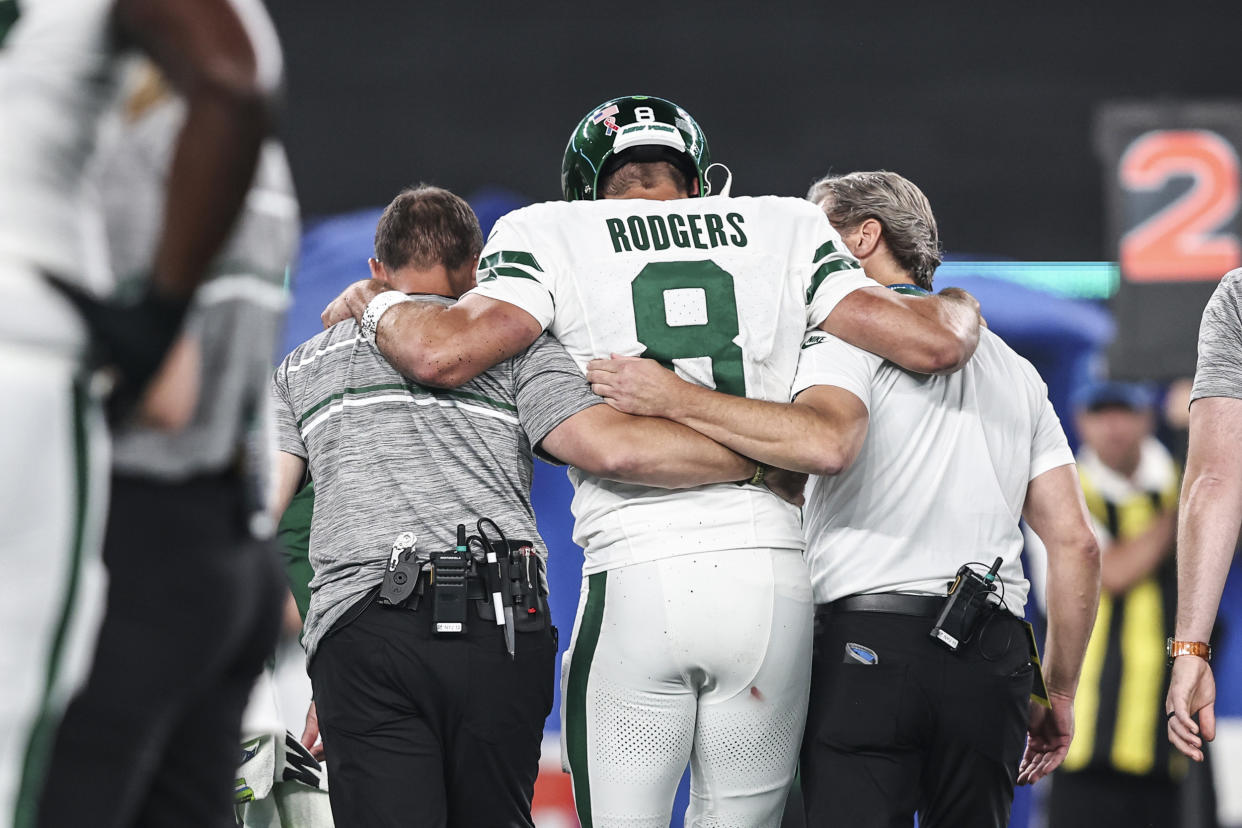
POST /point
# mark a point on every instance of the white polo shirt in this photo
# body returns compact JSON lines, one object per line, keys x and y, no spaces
{"x":942,"y":474}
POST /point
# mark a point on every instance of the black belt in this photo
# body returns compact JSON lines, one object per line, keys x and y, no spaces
{"x":894,"y":603}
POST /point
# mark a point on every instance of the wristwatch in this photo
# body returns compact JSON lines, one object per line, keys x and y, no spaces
{"x":1175,"y":648}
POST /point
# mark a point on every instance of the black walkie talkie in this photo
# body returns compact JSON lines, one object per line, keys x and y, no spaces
{"x":449,"y":570}
{"x":968,"y":596}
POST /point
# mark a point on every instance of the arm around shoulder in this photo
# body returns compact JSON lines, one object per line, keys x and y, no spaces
{"x":448,"y":346}
{"x":924,"y":334}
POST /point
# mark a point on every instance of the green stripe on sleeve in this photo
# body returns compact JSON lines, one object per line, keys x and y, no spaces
{"x":576,"y":689}
{"x":825,"y":270}
{"x":8,"y":16}
{"x":515,"y":272}
{"x":516,"y":257}
{"x":825,"y":249}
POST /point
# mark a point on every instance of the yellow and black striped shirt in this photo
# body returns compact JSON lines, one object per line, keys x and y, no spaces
{"x":1118,"y":712}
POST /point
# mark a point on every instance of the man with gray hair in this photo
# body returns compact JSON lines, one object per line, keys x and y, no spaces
{"x":933,"y":475}
{"x":893,"y":204}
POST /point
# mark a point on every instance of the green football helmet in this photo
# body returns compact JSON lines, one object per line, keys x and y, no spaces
{"x":642,"y":127}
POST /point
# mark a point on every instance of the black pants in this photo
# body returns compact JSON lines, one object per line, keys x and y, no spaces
{"x":921,"y":729}
{"x":428,"y":730}
{"x":193,"y":612}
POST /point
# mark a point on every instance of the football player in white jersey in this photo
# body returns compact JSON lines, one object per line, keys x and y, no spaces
{"x":693,"y":634}
{"x":61,"y":63}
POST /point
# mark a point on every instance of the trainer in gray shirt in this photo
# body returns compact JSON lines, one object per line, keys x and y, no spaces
{"x":380,"y":445}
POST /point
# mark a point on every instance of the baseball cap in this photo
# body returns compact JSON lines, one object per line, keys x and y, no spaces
{"x":1132,"y":395}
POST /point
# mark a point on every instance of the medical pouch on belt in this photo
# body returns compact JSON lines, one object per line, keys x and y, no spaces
{"x":719,"y":289}
{"x":505,"y":580}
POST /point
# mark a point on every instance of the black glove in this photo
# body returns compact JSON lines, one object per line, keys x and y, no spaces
{"x":132,"y":337}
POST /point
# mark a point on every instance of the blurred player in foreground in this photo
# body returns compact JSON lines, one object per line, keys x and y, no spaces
{"x":930,"y":473}
{"x":691,"y":638}
{"x":1209,"y":518}
{"x":61,"y":63}
{"x":424,"y":723}
{"x":178,"y":467}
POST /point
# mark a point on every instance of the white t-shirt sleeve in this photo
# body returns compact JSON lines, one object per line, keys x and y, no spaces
{"x":826,"y":360}
{"x":1049,"y":448}
{"x":510,"y":271}
{"x":831,"y":271}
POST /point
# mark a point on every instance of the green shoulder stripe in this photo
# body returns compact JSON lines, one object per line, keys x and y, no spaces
{"x":825,"y":270}
{"x":8,"y":16}
{"x":515,"y":272}
{"x":825,"y":249}
{"x":515,"y":257}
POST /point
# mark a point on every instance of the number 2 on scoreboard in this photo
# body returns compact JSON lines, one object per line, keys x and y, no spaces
{"x":1183,"y":240}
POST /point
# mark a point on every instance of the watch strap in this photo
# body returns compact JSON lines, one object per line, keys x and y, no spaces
{"x":1176,"y":648}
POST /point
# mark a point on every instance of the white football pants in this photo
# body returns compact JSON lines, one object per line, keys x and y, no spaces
{"x":53,"y":492}
{"x":702,"y":658}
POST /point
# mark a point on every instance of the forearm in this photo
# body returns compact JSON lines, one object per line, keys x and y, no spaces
{"x":1130,"y":561}
{"x":1073,"y":597}
{"x":924,"y":334}
{"x":658,"y":452}
{"x":1057,"y":511}
{"x":787,"y":436}
{"x":289,"y":473}
{"x":1207,"y":536}
{"x":955,"y":320}
{"x":1210,"y":513}
{"x":447,"y":346}
{"x":650,"y":451}
{"x":415,"y":338}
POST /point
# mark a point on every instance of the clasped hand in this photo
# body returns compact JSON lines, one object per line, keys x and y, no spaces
{"x":634,"y":385}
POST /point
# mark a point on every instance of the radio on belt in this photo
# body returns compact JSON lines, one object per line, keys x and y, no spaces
{"x":448,"y":580}
{"x":968,"y":597}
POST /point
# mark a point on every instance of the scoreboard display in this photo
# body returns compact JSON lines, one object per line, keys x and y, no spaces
{"x":1173,"y":188}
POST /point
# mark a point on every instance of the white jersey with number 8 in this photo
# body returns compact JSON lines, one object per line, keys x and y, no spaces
{"x":720,"y":289}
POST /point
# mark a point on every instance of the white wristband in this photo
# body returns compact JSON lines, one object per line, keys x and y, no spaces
{"x":375,"y":309}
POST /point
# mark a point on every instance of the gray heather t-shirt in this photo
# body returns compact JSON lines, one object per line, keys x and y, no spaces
{"x":388,"y":455}
{"x":1219,"y":372}
{"x":236,"y":315}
